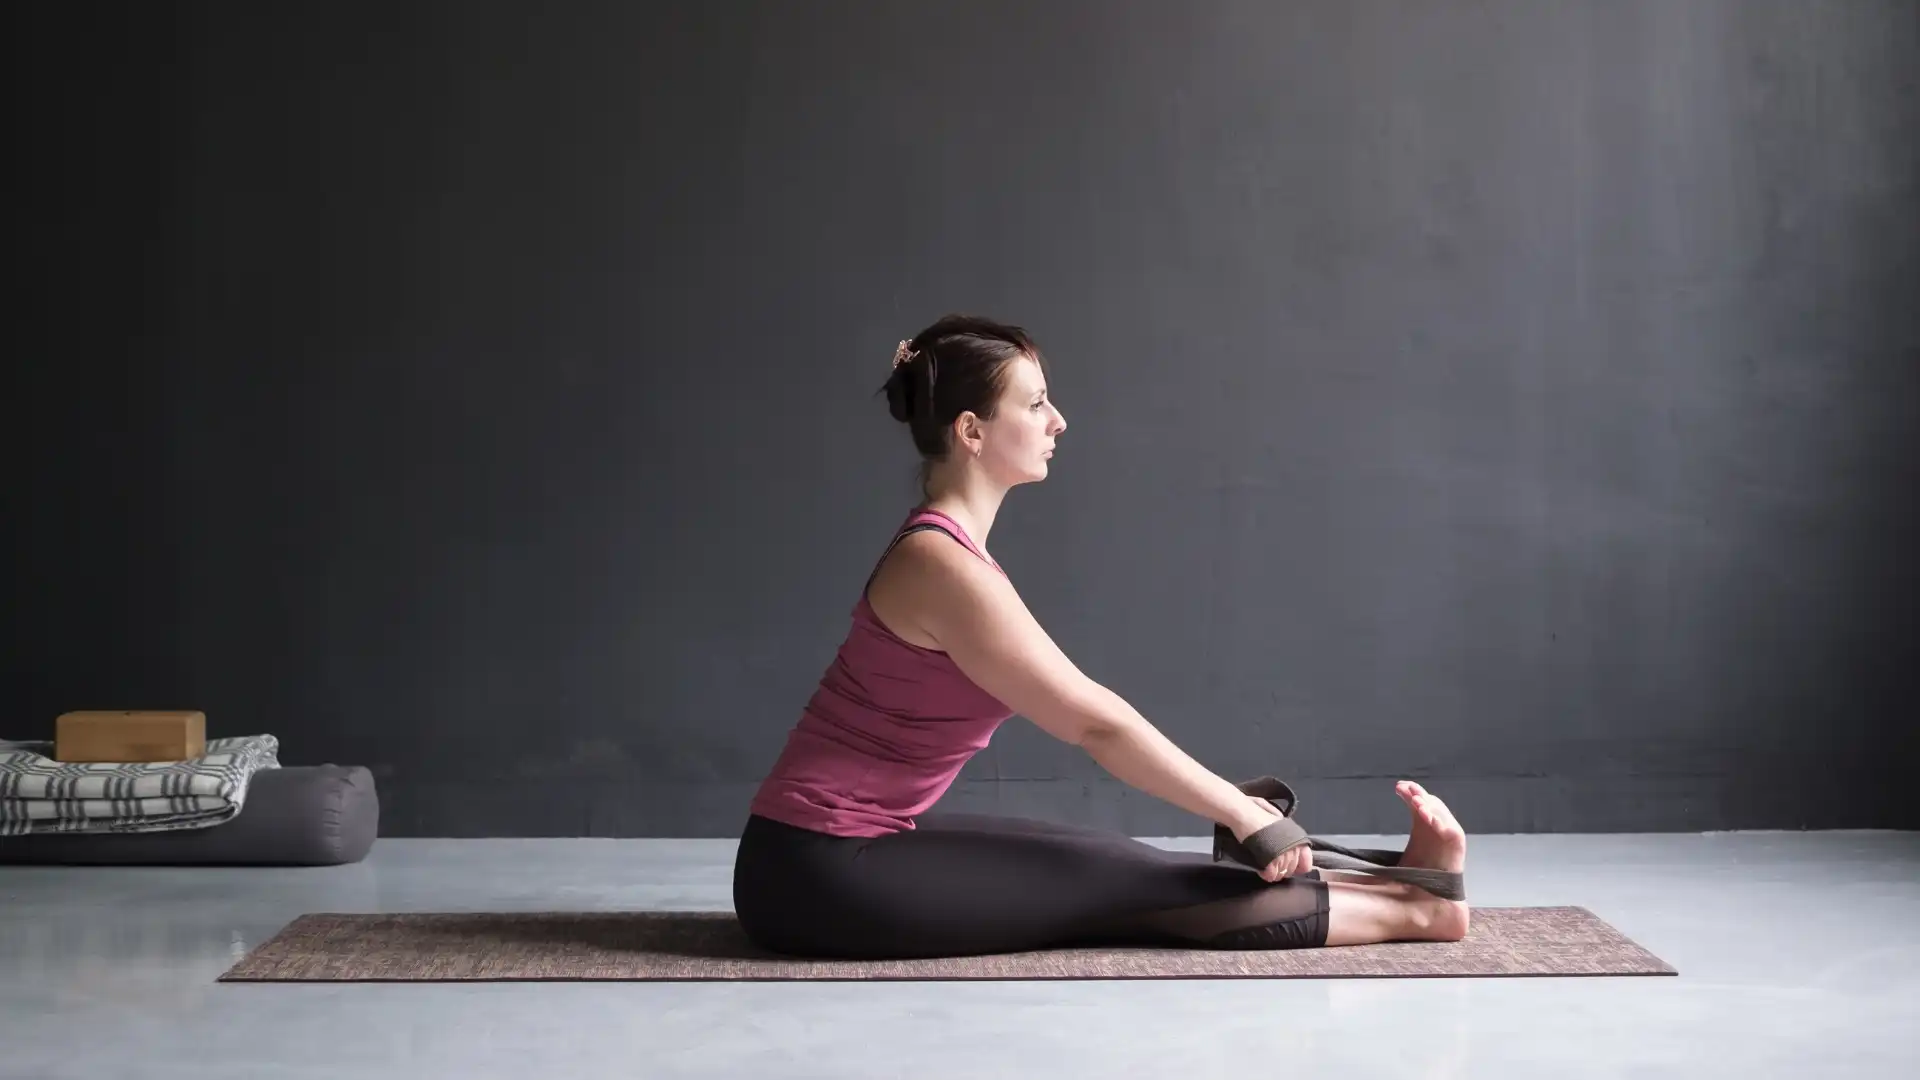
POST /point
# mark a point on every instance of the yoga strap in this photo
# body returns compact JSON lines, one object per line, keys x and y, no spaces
{"x":1261,"y":848}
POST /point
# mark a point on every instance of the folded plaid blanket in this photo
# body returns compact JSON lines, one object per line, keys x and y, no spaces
{"x":41,"y":795}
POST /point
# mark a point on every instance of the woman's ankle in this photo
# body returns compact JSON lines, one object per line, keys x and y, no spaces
{"x":1431,"y":918}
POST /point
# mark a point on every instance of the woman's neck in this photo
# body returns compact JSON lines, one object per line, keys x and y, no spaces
{"x":974,"y":506}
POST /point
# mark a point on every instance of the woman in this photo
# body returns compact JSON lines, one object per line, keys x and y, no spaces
{"x":835,"y":860}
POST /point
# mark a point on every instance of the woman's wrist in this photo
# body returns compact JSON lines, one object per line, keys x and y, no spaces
{"x":1251,"y":819}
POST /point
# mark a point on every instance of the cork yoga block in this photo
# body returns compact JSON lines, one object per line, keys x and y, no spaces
{"x":129,"y":735}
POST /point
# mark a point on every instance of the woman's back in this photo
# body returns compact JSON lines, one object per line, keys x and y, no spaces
{"x":886,"y":731}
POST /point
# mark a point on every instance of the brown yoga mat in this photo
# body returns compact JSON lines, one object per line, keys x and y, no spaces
{"x":709,"y":945}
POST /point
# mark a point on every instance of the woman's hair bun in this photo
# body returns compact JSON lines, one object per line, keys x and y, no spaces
{"x":900,"y":394}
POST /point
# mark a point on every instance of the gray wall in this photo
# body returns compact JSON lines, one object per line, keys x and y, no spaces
{"x":1518,"y":396}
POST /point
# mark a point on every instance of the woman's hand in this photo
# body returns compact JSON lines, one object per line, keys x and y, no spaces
{"x":1296,"y":860}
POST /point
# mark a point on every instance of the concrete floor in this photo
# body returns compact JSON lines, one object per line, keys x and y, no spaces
{"x":1798,"y":956}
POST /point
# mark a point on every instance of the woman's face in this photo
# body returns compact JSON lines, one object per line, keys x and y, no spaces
{"x":1017,"y":443}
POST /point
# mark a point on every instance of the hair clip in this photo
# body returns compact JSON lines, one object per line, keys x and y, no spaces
{"x":903,"y":353}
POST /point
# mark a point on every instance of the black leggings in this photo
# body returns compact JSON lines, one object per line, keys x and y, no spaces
{"x":968,"y":884}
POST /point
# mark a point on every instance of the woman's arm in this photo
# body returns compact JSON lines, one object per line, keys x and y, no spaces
{"x":984,"y":626}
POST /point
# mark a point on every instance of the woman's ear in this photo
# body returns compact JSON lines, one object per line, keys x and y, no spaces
{"x":967,"y":433}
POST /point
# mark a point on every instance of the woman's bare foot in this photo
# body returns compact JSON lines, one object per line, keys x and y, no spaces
{"x":1364,"y":909}
{"x":1436,"y":842}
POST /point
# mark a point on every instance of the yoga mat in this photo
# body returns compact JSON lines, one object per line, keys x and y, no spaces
{"x":709,"y":945}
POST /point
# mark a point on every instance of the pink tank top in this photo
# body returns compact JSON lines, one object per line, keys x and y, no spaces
{"x":887,"y":730}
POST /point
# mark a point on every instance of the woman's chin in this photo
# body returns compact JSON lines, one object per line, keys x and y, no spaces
{"x":1034,"y":472}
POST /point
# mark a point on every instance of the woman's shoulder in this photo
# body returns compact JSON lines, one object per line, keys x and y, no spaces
{"x":924,"y":572}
